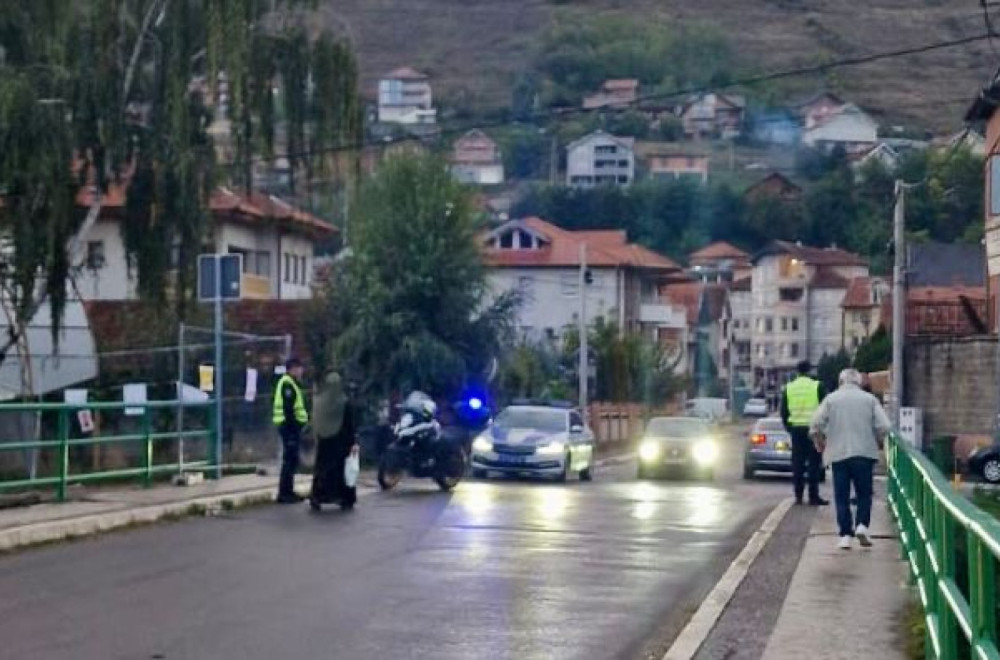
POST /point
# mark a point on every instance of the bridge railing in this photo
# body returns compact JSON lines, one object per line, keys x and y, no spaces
{"x":156,"y":448}
{"x":952,"y":548}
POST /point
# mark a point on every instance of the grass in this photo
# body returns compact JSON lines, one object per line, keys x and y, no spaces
{"x":914,"y":630}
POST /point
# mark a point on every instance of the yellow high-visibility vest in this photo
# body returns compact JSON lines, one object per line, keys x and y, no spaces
{"x":803,"y":400}
{"x":301,"y":414}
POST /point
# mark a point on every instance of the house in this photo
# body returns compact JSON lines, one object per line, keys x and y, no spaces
{"x":476,"y":159}
{"x":865,"y":307}
{"x":796,"y":312}
{"x":947,"y":289}
{"x":678,"y":165}
{"x":543,"y":262}
{"x":613,"y":94}
{"x":850,"y":128}
{"x":984,"y":111}
{"x":882,"y":154}
{"x":739,"y":333}
{"x":276,"y":240}
{"x":704,"y":304}
{"x":774,"y":186}
{"x":819,"y":108}
{"x":600,"y":159}
{"x":713,"y":116}
{"x":405,"y":97}
{"x":719,"y":262}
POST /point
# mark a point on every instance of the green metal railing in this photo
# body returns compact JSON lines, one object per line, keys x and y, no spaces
{"x":952,"y":548}
{"x":146,"y":438}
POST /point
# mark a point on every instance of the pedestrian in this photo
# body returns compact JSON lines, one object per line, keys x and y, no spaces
{"x":334,"y":422}
{"x":290,"y":416}
{"x":799,"y":400}
{"x":850,"y":428}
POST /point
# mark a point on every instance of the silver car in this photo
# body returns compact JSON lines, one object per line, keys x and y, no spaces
{"x":769,"y":448}
{"x":678,"y":444}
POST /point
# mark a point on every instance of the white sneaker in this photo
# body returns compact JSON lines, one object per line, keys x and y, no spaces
{"x":844,"y":543}
{"x":863,"y":536}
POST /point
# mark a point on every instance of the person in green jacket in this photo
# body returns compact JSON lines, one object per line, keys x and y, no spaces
{"x":334,"y":426}
{"x":290,"y":417}
{"x":799,"y":400}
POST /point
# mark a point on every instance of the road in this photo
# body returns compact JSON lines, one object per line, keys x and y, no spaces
{"x":498,"y":569}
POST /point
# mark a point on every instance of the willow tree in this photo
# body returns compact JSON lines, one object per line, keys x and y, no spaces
{"x":101,"y":92}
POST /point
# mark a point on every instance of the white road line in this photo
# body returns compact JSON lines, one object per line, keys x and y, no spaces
{"x":701,"y":624}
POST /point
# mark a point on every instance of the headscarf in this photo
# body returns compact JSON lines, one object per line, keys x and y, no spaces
{"x":328,"y":406}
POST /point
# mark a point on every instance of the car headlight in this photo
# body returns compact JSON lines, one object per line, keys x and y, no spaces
{"x":553,"y":448}
{"x":649,"y":451}
{"x":482,"y":444}
{"x":705,"y":452}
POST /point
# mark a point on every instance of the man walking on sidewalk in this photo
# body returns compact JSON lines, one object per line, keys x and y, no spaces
{"x":850,"y":427}
{"x":290,"y":417}
{"x":799,"y":400}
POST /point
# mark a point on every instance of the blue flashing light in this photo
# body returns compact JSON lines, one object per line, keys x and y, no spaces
{"x":475,"y":403}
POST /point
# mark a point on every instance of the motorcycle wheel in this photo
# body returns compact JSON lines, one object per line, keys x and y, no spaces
{"x":390,"y":472}
{"x":451,"y":468}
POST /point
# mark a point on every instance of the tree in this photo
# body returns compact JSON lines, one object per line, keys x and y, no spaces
{"x":419,"y":313}
{"x":875,"y":353}
{"x":124,"y":91}
{"x":829,"y":368}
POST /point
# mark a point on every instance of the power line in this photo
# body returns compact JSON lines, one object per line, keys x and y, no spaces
{"x":561,"y":113}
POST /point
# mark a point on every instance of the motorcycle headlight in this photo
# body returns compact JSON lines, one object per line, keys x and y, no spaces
{"x":553,"y":448}
{"x":705,"y":452}
{"x":649,"y":451}
{"x":482,"y":444}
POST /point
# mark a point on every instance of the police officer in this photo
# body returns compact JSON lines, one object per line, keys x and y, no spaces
{"x":290,"y":416}
{"x":799,"y":400}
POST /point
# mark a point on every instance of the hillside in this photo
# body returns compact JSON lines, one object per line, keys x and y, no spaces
{"x":474,"y":48}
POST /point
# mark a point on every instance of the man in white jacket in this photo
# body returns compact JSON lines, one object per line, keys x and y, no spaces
{"x":849,"y":428}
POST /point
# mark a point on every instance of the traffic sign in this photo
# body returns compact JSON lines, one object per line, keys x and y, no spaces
{"x":231,"y":270}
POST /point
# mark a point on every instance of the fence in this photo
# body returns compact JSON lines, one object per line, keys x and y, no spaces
{"x":952,"y":548}
{"x":76,"y":429}
{"x":621,"y":422}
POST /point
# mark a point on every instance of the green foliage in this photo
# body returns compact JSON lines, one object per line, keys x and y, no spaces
{"x":582,"y":50}
{"x":875,"y":353}
{"x":525,"y":152}
{"x":829,"y":368}
{"x":417,"y":310}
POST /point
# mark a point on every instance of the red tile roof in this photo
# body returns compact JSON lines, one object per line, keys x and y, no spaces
{"x":830,"y":256}
{"x":931,"y":294}
{"x":860,"y":293}
{"x":719,"y":250}
{"x":686,"y":295}
{"x":828,"y":279}
{"x":405,"y":73}
{"x":608,"y":249}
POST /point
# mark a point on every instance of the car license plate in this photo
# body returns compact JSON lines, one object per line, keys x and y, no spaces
{"x":781,"y":446}
{"x":514,"y":459}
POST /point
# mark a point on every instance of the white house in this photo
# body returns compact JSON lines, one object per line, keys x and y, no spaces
{"x":543,"y":262}
{"x":881,"y":153}
{"x":850,"y":127}
{"x":405,"y":97}
{"x":796,"y":297}
{"x":476,"y":159}
{"x":277,"y":243}
{"x":600,"y":159}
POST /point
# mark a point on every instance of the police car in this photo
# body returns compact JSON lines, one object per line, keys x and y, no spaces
{"x":535,"y":439}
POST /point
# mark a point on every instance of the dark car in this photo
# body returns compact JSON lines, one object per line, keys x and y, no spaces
{"x":985,"y":462}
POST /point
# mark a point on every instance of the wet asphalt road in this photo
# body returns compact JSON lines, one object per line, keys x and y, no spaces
{"x":498,"y":569}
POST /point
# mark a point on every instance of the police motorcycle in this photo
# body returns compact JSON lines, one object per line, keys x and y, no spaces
{"x":420,"y":449}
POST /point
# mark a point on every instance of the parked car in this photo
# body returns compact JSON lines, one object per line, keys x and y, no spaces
{"x":755,"y":408}
{"x":769,"y":448}
{"x":535,"y":440}
{"x":985,"y":462}
{"x":678,"y":444}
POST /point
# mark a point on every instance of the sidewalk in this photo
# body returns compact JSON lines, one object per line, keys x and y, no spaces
{"x":844,"y":604}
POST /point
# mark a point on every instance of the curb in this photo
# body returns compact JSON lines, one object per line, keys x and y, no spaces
{"x":701,"y":624}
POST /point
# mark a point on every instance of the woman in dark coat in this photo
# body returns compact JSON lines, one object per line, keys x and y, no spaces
{"x":335,"y":426}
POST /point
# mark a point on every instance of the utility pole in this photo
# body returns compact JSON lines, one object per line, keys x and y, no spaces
{"x":898,"y":299}
{"x":219,"y":330}
{"x":732,"y":370}
{"x":554,"y":160}
{"x":584,"y":361}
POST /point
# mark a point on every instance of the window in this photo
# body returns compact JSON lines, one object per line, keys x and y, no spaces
{"x":623,"y":163}
{"x":795,"y":324}
{"x":790,"y":295}
{"x":784,"y":324}
{"x":570,"y":285}
{"x":95,"y":255}
{"x":768,"y":324}
{"x":606,"y":149}
{"x":760,"y":324}
{"x":304,"y":271}
{"x":794,"y":350}
{"x":623,"y":179}
{"x":245,"y":257}
{"x":507,"y":241}
{"x":288,"y":267}
{"x":263,"y":265}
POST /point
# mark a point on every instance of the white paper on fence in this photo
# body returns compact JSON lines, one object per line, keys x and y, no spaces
{"x":251,"y":390}
{"x":190,"y":394}
{"x":206,"y":378}
{"x":86,"y":420}
{"x":134,"y":393}
{"x":75,"y":396}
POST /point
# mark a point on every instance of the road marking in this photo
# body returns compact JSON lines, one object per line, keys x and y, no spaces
{"x":701,"y":624}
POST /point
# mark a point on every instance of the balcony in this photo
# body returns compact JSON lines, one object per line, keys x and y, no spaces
{"x":662,"y":314}
{"x":256,"y":287}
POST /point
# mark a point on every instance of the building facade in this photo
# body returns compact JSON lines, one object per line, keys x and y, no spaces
{"x":405,"y":97}
{"x":600,"y":159}
{"x":476,"y":160}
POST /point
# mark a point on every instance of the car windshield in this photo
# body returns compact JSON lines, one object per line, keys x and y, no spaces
{"x":677,"y":427}
{"x":756,"y":402}
{"x":771,"y":426}
{"x":552,"y":421}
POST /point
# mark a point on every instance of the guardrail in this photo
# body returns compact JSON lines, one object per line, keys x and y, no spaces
{"x":146,"y":437}
{"x":953,"y":549}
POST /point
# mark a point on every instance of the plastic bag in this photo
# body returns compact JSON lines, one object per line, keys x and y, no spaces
{"x":352,"y":468}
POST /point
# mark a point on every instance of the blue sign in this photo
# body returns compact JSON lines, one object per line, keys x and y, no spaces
{"x":231,"y":269}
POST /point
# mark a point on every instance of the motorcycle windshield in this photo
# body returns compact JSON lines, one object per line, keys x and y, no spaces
{"x":414,"y":400}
